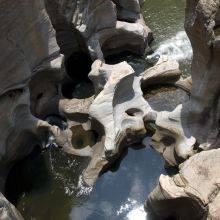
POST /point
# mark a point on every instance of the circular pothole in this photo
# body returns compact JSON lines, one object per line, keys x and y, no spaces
{"x":82,"y":138}
{"x":134,"y":112}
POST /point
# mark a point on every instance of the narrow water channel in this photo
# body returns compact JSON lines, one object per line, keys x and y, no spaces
{"x":47,"y":184}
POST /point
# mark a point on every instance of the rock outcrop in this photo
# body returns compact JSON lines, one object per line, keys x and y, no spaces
{"x":30,"y":48}
{"x":193,"y":127}
{"x":54,"y":49}
{"x":29,"y":44}
{"x":121,"y":109}
{"x":48,"y":49}
{"x":193,"y":193}
{"x":202,"y":26}
{"x":107,"y":27}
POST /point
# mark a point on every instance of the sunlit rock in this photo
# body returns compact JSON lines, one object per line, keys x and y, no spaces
{"x":107,"y":27}
{"x":193,"y":193}
{"x":121,"y":109}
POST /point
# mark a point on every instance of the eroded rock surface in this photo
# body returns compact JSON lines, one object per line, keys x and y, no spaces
{"x":197,"y":121}
{"x":34,"y":72}
{"x":193,"y":193}
{"x":38,"y":82}
{"x":29,"y":44}
{"x":202,"y":26}
{"x":120,"y":107}
{"x":106,"y":26}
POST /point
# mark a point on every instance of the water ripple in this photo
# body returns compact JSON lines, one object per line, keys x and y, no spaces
{"x":176,"y":48}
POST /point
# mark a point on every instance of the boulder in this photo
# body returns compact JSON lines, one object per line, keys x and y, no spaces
{"x":193,"y":193}
{"x":107,"y":30}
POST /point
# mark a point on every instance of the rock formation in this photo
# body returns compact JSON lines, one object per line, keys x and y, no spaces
{"x":107,"y":27}
{"x":37,"y":74}
{"x":196,"y":122}
{"x":193,"y":193}
{"x":53,"y":50}
{"x":30,"y":48}
{"x":193,"y":127}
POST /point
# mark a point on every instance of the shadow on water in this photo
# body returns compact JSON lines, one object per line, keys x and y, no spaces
{"x":47,"y":186}
{"x":43,"y":185}
{"x":164,"y":97}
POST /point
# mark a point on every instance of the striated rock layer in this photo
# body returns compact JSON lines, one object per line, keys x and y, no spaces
{"x":29,"y":45}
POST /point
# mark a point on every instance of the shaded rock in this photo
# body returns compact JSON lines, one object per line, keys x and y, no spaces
{"x":202,"y":24}
{"x":30,"y":48}
{"x":105,"y":33}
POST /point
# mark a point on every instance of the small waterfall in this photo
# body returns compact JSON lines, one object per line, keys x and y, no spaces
{"x":176,"y":48}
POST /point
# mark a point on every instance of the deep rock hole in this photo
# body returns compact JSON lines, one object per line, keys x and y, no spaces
{"x":82,"y":138}
{"x":134,"y":112}
{"x":78,"y":66}
{"x":15,"y":185}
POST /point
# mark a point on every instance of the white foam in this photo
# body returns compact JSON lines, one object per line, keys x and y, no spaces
{"x":176,"y":48}
{"x":132,"y":210}
{"x":83,"y":189}
{"x":130,"y":203}
{"x":137,"y":214}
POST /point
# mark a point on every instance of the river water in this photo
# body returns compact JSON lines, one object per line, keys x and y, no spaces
{"x":47,"y":185}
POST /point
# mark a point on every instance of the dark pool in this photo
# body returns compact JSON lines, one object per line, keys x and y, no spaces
{"x":48,"y":187}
